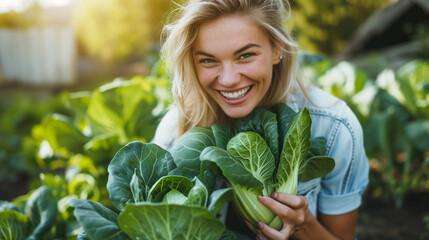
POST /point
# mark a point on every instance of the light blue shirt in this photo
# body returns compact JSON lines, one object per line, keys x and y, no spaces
{"x":341,"y":190}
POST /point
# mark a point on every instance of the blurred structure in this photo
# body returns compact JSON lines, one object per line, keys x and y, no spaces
{"x":399,"y":32}
{"x":40,"y":55}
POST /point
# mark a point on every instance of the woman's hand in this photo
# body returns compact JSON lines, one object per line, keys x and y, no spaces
{"x":292,"y":210}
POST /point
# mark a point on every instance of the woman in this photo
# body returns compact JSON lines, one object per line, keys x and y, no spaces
{"x":228,"y":57}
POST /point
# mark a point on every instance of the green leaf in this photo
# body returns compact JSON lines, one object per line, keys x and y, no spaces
{"x":13,"y":225}
{"x":62,"y":135}
{"x":198,"y":195}
{"x":228,"y":235}
{"x":77,"y":103}
{"x":98,"y":221}
{"x":124,"y":109}
{"x":102,"y":147}
{"x":222,"y":134}
{"x":42,"y":210}
{"x":295,"y":149}
{"x":5,"y":205}
{"x":208,"y":173}
{"x":84,"y":186}
{"x":317,"y":147}
{"x":387,"y":132}
{"x":418,"y":133}
{"x":232,"y":169}
{"x":218,"y":198}
{"x":149,"y":221}
{"x":186,"y":151}
{"x":383,"y":101}
{"x":284,"y":115}
{"x":174,"y":197}
{"x":252,"y":152}
{"x":168,"y":183}
{"x":135,"y":188}
{"x":56,"y":184}
{"x":316,"y":167}
{"x":264,"y":123}
{"x":151,"y":161}
{"x":413,"y":77}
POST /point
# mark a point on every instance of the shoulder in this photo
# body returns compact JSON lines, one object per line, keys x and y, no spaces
{"x":167,"y":129}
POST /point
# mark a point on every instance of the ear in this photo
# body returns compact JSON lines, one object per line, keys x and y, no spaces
{"x":277,"y":56}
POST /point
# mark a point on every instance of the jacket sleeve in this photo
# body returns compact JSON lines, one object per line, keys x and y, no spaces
{"x":342,"y":189}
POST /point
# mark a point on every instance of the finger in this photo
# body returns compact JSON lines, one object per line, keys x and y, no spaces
{"x":271,"y":233}
{"x":248,"y":224}
{"x":276,"y":207}
{"x":261,"y":237}
{"x":291,"y":200}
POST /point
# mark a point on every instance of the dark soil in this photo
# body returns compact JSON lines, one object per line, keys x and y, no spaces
{"x":12,"y":189}
{"x":382,"y":221}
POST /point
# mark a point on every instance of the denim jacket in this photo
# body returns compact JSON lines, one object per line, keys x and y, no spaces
{"x":341,"y":190}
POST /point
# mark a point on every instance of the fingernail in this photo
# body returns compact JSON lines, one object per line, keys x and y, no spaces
{"x":260,"y":225}
{"x":260,"y":237}
{"x":262,"y":198}
{"x":274,"y":195}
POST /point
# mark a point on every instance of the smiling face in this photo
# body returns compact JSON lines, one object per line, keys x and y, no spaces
{"x":234,"y":61}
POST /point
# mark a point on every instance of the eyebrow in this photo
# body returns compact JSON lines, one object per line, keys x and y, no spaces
{"x":204,"y":54}
{"x":250,"y":45}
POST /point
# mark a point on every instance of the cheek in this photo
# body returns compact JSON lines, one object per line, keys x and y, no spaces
{"x":206,"y":76}
{"x":258,"y":71}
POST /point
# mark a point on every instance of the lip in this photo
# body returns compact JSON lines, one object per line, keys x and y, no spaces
{"x":235,"y":101}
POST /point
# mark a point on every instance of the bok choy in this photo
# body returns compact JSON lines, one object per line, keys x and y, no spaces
{"x":270,"y":152}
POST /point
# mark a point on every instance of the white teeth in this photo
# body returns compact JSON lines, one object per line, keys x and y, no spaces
{"x":236,"y":95}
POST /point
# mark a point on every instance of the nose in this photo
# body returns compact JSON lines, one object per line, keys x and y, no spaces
{"x":229,"y":76}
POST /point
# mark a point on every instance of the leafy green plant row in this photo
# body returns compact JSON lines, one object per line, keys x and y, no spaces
{"x":394,"y":111}
{"x":43,"y":213}
{"x":19,"y":113}
{"x":77,"y":143}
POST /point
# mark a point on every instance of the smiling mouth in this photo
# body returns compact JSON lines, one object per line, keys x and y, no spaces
{"x":237,"y":94}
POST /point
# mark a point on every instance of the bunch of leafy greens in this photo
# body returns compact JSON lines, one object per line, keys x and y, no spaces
{"x":37,"y":215}
{"x":270,"y":151}
{"x":155,"y":201}
{"x":171,"y":195}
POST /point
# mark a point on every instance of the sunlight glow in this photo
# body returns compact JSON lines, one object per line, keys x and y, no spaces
{"x":21,"y":5}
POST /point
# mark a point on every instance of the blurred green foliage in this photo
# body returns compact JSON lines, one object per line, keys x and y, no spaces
{"x":72,"y":145}
{"x":43,"y":213}
{"x":393,"y":109}
{"x":19,"y":113}
{"x":326,"y":26}
{"x":29,"y":18}
{"x":115,"y":30}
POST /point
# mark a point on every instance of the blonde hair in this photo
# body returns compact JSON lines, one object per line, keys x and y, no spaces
{"x":196,"y":107}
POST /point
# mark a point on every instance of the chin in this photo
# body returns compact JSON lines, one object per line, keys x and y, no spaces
{"x":237,"y":113}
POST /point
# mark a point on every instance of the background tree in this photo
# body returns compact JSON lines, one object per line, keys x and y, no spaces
{"x":115,"y":30}
{"x":326,"y":26}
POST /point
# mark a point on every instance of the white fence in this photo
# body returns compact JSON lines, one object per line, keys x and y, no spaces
{"x":38,"y":56}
